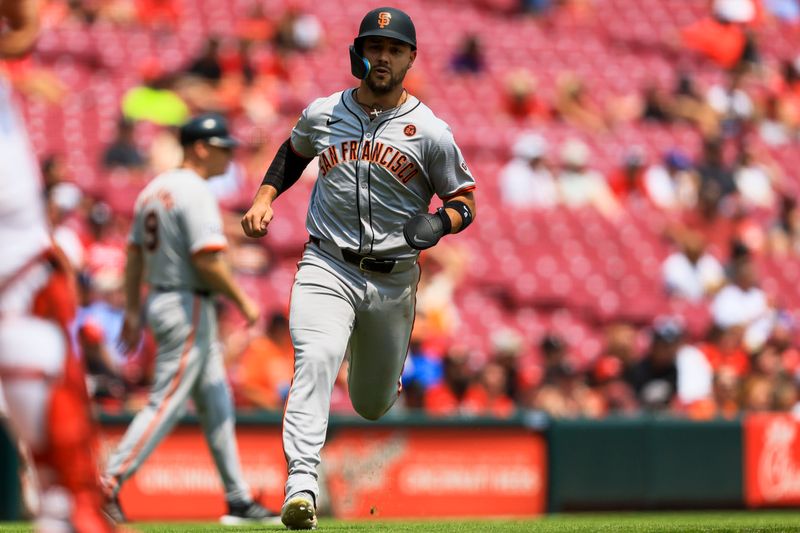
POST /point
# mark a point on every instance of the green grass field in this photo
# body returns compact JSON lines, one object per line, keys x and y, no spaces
{"x":678,"y":522}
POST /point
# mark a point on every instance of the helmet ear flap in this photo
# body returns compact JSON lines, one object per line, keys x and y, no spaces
{"x":359,"y":65}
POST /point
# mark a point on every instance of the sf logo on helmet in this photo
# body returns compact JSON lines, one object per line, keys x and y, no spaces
{"x":384,"y":17}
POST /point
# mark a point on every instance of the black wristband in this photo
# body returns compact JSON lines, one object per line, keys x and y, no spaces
{"x":447,"y":226}
{"x":463,"y":210}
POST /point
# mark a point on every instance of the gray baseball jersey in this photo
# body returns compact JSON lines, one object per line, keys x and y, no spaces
{"x":375,"y":173}
{"x":176,"y":216}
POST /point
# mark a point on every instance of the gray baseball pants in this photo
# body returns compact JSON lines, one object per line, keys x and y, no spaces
{"x":334,"y":304}
{"x":188,"y":364}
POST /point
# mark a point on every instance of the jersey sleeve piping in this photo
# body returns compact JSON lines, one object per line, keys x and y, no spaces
{"x":459,"y":192}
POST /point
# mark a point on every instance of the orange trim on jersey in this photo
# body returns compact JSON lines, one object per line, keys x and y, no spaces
{"x":459,"y":193}
{"x":24,"y":372}
{"x":173,"y":386}
{"x":210,"y":249}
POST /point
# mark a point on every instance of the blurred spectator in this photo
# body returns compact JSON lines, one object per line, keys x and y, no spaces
{"x":468,"y":59}
{"x":154,"y":99}
{"x":691,"y":272}
{"x":207,"y":65}
{"x":34,"y":81}
{"x":607,"y":379}
{"x":777,"y":125}
{"x":656,"y":105}
{"x":106,"y":249}
{"x":712,"y":218}
{"x":265,"y":369}
{"x":755,"y":180}
{"x":579,"y":186}
{"x":672,"y":185}
{"x":122,"y":152}
{"x":574,"y":105}
{"x":655,"y":377}
{"x":237,"y":62}
{"x":488,"y":395}
{"x":526,"y":180}
{"x":437,"y":316}
{"x":690,"y":104}
{"x":566,"y":394}
{"x":446,"y":398}
{"x":521,"y":101}
{"x":255,"y":26}
{"x":627,"y":181}
{"x":64,"y":199}
{"x":742,"y":303}
{"x":553,"y":352}
{"x":721,"y":37}
{"x":98,"y":325}
{"x":422,"y":370}
{"x":723,"y":402}
{"x":298,"y":31}
{"x":758,"y":394}
{"x":712,"y":168}
{"x":695,"y":381}
{"x":784,"y":235}
{"x":506,"y":353}
{"x":732,"y":104}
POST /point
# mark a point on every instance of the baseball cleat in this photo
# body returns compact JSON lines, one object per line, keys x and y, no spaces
{"x":298,"y":512}
{"x":113,"y":511}
{"x":241,"y":514}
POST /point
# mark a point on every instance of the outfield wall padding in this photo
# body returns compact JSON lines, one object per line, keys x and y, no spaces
{"x":644,"y":463}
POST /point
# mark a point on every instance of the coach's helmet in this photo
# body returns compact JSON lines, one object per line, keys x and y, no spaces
{"x":209,"y":127}
{"x":381,"y":22}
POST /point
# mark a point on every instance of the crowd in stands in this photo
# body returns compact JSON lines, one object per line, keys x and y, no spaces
{"x":716,"y":213}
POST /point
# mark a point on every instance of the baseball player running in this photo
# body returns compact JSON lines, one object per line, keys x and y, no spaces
{"x":383,"y":155}
{"x":175,"y":245}
{"x":42,"y":381}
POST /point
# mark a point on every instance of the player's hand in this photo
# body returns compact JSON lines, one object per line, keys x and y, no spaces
{"x":424,"y":231}
{"x":131,"y":331}
{"x":256,"y":220}
{"x":250,"y":310}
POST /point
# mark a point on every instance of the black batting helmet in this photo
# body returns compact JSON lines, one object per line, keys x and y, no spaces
{"x":381,"y":22}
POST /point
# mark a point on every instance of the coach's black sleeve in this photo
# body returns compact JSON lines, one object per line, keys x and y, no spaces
{"x":286,"y":168}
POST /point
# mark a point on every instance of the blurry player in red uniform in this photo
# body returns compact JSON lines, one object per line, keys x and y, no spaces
{"x":42,"y":381}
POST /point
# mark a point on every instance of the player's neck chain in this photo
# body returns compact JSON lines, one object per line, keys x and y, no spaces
{"x":376,"y":110}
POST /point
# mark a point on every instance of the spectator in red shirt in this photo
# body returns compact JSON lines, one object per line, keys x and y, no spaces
{"x":721,"y":37}
{"x":521,"y":101}
{"x":487,"y":396}
{"x":446,"y":398}
{"x":723,"y":349}
{"x":265,"y":369}
{"x":627,"y":181}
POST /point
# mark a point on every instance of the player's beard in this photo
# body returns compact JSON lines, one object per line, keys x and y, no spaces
{"x":387,"y":86}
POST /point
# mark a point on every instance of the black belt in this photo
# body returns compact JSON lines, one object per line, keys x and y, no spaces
{"x":364,"y":262}
{"x":203,"y":293}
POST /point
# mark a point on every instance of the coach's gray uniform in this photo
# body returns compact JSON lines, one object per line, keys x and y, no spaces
{"x":177,"y":216}
{"x":373,"y":176}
